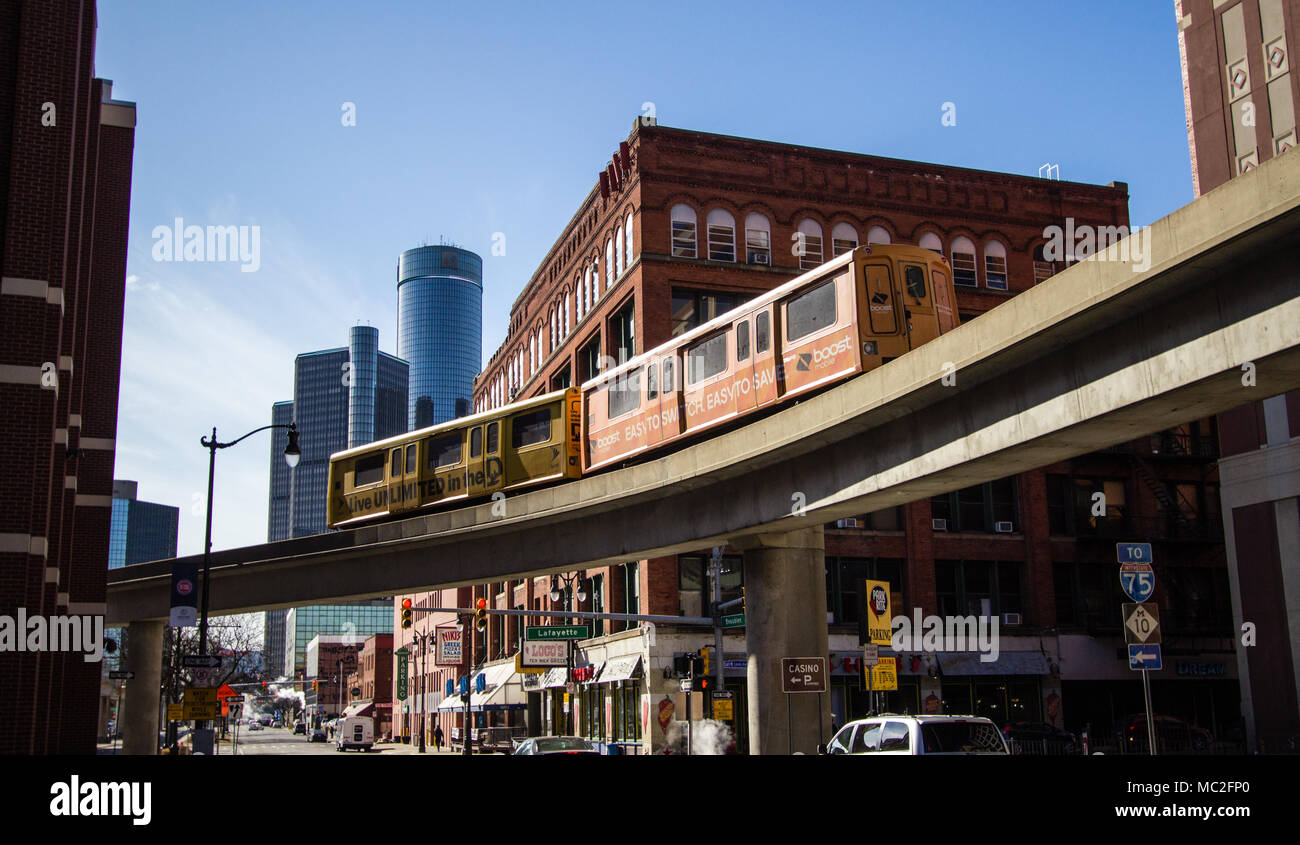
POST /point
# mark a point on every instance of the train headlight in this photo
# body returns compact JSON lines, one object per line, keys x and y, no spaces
{"x":870,"y":348}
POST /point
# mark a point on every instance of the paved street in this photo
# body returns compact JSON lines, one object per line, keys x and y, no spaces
{"x":275,"y":741}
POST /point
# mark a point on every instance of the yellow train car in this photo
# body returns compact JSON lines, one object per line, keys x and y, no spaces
{"x":520,"y":445}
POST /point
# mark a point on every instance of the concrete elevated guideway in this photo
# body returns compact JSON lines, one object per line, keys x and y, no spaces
{"x":1097,"y":355}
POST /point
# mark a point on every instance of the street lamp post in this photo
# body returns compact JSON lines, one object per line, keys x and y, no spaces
{"x":567,"y":595}
{"x":291,"y":455}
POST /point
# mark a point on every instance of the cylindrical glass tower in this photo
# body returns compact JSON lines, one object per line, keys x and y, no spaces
{"x":440,"y":330}
{"x":363,"y":355}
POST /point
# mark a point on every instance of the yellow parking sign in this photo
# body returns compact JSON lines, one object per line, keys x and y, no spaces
{"x":884,"y":675}
{"x":722,"y":709}
{"x":879,"y":615}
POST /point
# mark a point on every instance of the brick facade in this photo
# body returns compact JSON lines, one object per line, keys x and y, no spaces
{"x":65,"y":154}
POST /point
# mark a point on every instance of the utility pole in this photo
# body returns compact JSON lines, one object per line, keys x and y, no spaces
{"x":717,"y":624}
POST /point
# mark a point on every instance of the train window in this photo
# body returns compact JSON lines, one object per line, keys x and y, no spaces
{"x":492,"y":436}
{"x":742,"y":341}
{"x":369,"y":470}
{"x":397,"y":463}
{"x":410,"y":458}
{"x":914,"y":280}
{"x":476,"y":442}
{"x":706,"y":358}
{"x":670,"y":369}
{"x":652,"y":381}
{"x":444,"y":451}
{"x":531,"y":428}
{"x":625,"y":393}
{"x":813,"y":311}
{"x":763,"y":332}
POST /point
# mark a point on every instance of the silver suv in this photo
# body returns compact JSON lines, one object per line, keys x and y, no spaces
{"x":891,"y":734}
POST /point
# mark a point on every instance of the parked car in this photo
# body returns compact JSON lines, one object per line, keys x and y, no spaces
{"x":300,"y":727}
{"x":255,"y":725}
{"x":1039,"y":738}
{"x":1173,"y":735}
{"x":890,"y":734}
{"x":557,"y":745}
{"x":316,"y":735}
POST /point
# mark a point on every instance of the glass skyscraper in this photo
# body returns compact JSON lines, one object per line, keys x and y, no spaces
{"x":139,"y":532}
{"x":440,"y":330}
{"x":342,"y":397}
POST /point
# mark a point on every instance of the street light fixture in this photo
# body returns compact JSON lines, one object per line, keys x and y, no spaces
{"x":291,"y":456}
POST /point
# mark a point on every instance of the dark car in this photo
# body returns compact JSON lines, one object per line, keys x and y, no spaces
{"x":300,"y":727}
{"x":316,"y":735}
{"x":557,"y":745}
{"x":1039,"y":738}
{"x":1173,"y":735}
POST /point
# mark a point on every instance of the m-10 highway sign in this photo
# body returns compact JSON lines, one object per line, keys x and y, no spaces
{"x":1141,"y":624}
{"x":803,"y":674}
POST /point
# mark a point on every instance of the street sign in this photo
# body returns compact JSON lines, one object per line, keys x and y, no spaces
{"x":175,"y":712}
{"x":535,"y":653}
{"x":1138,"y":580}
{"x":879,"y":619}
{"x":723,"y":709}
{"x":1133,"y":552}
{"x":200,"y":703}
{"x":803,"y":674}
{"x":121,"y":675}
{"x":685,"y":684}
{"x":1141,"y":624}
{"x":884,"y":675}
{"x":205,"y":677}
{"x":1145,"y":657}
{"x":227,"y":691}
{"x":207,"y":661}
{"x":557,"y":632}
{"x":450,"y":649}
{"x":733,"y":620}
{"x":871,"y":654}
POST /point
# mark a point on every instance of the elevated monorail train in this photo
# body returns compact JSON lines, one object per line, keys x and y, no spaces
{"x":851,"y":314}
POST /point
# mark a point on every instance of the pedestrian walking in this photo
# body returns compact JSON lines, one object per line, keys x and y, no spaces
{"x":437,"y":737}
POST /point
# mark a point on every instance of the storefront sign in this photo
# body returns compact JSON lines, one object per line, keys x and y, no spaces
{"x":879,"y":617}
{"x":450,"y":650}
{"x":402,"y":672}
{"x":540,"y":653}
{"x":1210,"y":670}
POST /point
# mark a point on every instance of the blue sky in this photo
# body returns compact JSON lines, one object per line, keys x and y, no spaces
{"x":496,"y":117}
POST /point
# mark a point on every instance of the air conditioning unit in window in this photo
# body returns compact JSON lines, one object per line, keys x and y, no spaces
{"x":760,"y":258}
{"x":848,"y":522}
{"x":1011,"y":619}
{"x":939,"y":524}
{"x":1003,"y":527}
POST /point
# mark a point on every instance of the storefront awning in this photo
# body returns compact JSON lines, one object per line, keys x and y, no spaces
{"x":554,"y":678}
{"x":360,"y":708}
{"x":620,"y":669}
{"x":503,"y":690}
{"x":453,"y":702}
{"x":1008,"y":663}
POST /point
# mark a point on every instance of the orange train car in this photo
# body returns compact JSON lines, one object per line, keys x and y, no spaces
{"x":850,"y":315}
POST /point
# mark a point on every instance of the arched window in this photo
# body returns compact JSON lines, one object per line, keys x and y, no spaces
{"x":995,"y":265}
{"x":618,"y":254}
{"x":611,"y":272}
{"x":722,"y":235}
{"x":844,"y":238}
{"x":627,"y":238}
{"x":808,"y":244}
{"x":583,"y":287}
{"x":931,"y":241}
{"x":963,"y":261}
{"x":1043,"y":269}
{"x":683,"y":231}
{"x":878,"y":235}
{"x":758,"y":239}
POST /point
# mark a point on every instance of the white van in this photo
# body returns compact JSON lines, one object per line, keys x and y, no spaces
{"x":926,"y":735}
{"x":355,"y":732}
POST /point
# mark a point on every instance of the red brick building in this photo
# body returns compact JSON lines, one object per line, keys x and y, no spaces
{"x":1241,"y":101}
{"x":685,"y":225}
{"x":374,"y":679}
{"x":65,"y":161}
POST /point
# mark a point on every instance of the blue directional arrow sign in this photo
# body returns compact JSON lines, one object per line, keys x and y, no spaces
{"x":1144,"y":657}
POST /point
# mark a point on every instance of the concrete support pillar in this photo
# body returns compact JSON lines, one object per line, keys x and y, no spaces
{"x":785,"y":616}
{"x":144,"y":658}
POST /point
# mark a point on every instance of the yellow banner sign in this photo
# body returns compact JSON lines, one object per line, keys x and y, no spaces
{"x":879,"y":615}
{"x":722,"y":709}
{"x":884,"y":675}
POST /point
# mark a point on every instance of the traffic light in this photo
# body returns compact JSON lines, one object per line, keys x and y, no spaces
{"x":701,"y":683}
{"x":406,"y":613}
{"x":682,"y":665}
{"x":480,"y":615}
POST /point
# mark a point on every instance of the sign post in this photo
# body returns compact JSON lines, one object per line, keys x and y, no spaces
{"x":1141,"y":624}
{"x":802,"y":674}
